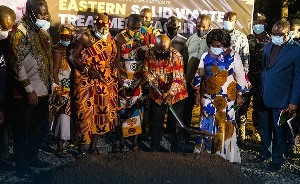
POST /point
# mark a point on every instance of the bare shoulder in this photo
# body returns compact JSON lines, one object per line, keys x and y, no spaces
{"x":83,"y":38}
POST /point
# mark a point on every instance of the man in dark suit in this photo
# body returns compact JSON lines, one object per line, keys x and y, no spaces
{"x":280,"y":89}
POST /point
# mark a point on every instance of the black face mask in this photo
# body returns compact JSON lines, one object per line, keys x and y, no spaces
{"x":201,"y":33}
{"x":159,"y":55}
{"x":147,"y":23}
{"x":172,"y":30}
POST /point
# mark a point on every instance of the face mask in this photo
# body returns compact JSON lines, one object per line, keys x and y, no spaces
{"x":292,"y":35}
{"x":228,"y":25}
{"x":100,"y":35}
{"x":172,"y":30}
{"x":258,"y":28}
{"x":216,"y":51}
{"x":65,"y":43}
{"x":147,"y":23}
{"x":277,"y":40}
{"x":162,"y":55}
{"x":43,"y":24}
{"x":3,"y":34}
{"x":201,"y":33}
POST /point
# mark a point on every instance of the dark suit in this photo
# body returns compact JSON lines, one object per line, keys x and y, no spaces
{"x":280,"y":86}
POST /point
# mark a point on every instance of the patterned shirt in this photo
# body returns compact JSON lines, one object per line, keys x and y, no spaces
{"x":152,"y":30}
{"x":31,"y":56}
{"x":239,"y":43}
{"x":169,"y":73}
{"x":256,"y":50}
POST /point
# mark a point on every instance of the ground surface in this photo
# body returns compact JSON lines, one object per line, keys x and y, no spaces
{"x":161,"y":168}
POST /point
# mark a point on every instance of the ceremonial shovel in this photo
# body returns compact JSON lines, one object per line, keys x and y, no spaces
{"x":188,"y":130}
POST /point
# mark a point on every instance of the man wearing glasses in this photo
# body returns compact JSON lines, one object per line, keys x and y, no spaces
{"x":280,"y":89}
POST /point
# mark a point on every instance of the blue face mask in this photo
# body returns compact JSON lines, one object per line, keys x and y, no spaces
{"x":258,"y":28}
{"x":65,"y":43}
{"x":228,"y":25}
{"x":100,"y":35}
{"x":292,"y":35}
{"x":277,"y":40}
{"x":43,"y":24}
{"x":216,"y":51}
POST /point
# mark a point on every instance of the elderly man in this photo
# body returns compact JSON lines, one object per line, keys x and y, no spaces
{"x":164,"y":69}
{"x":95,"y":84}
{"x":31,"y":60}
{"x":280,"y":89}
{"x":196,"y":46}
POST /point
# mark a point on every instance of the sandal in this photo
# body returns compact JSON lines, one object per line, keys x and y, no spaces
{"x":135,"y":148}
{"x":62,"y":153}
{"x":82,"y":155}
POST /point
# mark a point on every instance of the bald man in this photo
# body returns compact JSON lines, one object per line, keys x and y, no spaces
{"x":95,"y":84}
{"x":196,"y":46}
{"x":147,"y":20}
{"x":164,"y":69}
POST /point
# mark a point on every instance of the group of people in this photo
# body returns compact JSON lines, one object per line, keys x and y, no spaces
{"x":98,"y":82}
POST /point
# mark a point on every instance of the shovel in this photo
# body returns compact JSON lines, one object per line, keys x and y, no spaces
{"x":188,"y":130}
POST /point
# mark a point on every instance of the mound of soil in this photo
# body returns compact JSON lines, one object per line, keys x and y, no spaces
{"x":148,"y":167}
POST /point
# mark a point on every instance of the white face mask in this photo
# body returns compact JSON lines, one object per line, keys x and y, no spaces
{"x":43,"y":24}
{"x":277,"y":40}
{"x":228,"y":25}
{"x":100,"y":35}
{"x":216,"y":50}
{"x":3,"y":34}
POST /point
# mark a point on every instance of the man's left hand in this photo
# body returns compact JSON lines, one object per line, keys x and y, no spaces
{"x":292,"y":108}
{"x":168,"y":100}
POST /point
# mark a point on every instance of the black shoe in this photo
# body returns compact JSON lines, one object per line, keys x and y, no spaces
{"x":39,"y":164}
{"x":274,"y":166}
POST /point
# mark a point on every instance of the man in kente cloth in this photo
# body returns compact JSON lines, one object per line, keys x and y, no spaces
{"x":131,"y":45}
{"x":95,"y":84}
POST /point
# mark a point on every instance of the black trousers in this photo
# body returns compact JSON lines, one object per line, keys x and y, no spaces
{"x":189,"y":106}
{"x":156,"y":118}
{"x":27,"y":128}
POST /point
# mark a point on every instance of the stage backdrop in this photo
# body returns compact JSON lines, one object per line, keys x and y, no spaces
{"x":80,"y":13}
